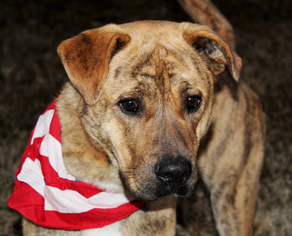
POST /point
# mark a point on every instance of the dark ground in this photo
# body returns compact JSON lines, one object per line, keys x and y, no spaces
{"x":31,"y":75}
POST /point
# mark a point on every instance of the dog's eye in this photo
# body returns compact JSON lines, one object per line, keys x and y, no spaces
{"x":193,"y":102}
{"x":129,"y":105}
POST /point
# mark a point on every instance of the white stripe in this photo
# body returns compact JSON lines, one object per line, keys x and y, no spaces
{"x":31,"y":173}
{"x":43,"y":125}
{"x":69,"y":201}
{"x":52,"y":148}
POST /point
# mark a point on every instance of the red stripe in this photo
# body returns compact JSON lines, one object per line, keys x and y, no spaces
{"x":31,"y":205}
{"x":29,"y":148}
{"x":31,"y":151}
{"x":52,"y":178}
{"x":102,"y":217}
{"x":55,"y":129}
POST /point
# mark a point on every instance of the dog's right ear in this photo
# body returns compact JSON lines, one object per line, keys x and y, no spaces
{"x":86,"y":58}
{"x":212,"y":48}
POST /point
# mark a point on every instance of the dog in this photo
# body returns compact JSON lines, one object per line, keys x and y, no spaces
{"x":148,"y":110}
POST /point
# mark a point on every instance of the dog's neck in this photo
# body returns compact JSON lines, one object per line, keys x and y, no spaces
{"x":77,"y":146}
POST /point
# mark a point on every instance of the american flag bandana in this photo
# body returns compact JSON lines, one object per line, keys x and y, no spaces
{"x":49,"y":196}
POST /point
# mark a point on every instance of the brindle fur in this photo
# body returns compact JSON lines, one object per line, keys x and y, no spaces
{"x":160,"y":64}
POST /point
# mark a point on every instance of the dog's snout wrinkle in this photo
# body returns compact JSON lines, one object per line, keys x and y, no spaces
{"x":176,"y":171}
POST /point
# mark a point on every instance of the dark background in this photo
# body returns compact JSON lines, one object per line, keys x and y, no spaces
{"x":31,"y":76}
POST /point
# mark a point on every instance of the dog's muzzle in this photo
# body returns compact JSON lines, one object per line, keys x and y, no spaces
{"x":172,"y":175}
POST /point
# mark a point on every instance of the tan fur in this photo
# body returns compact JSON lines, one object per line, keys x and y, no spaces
{"x":160,"y":65}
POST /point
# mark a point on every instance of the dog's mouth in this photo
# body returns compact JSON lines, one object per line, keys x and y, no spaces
{"x":155,"y":191}
{"x":164,"y":190}
{"x":168,"y":177}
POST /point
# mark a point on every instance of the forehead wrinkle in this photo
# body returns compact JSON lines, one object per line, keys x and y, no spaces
{"x":162,"y":80}
{"x":160,"y":68}
{"x":163,"y":67}
{"x":144,"y":70}
{"x":178,"y":56}
{"x":140,"y":64}
{"x":177,"y":59}
{"x":191,"y":68}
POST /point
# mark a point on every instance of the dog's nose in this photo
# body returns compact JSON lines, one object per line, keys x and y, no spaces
{"x":173,"y":171}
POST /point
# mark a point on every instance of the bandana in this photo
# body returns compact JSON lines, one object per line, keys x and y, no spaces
{"x":49,"y":196}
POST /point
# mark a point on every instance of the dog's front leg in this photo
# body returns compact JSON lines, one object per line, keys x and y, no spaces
{"x":232,"y":160}
{"x":233,"y":193}
{"x":233,"y":202}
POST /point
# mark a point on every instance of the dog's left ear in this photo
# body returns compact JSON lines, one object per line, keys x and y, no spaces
{"x":86,"y":58}
{"x":212,"y":48}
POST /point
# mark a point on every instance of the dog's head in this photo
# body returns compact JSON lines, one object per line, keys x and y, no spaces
{"x":148,"y":90}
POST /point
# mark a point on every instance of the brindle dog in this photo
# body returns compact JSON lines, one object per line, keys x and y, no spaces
{"x":146,"y":110}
